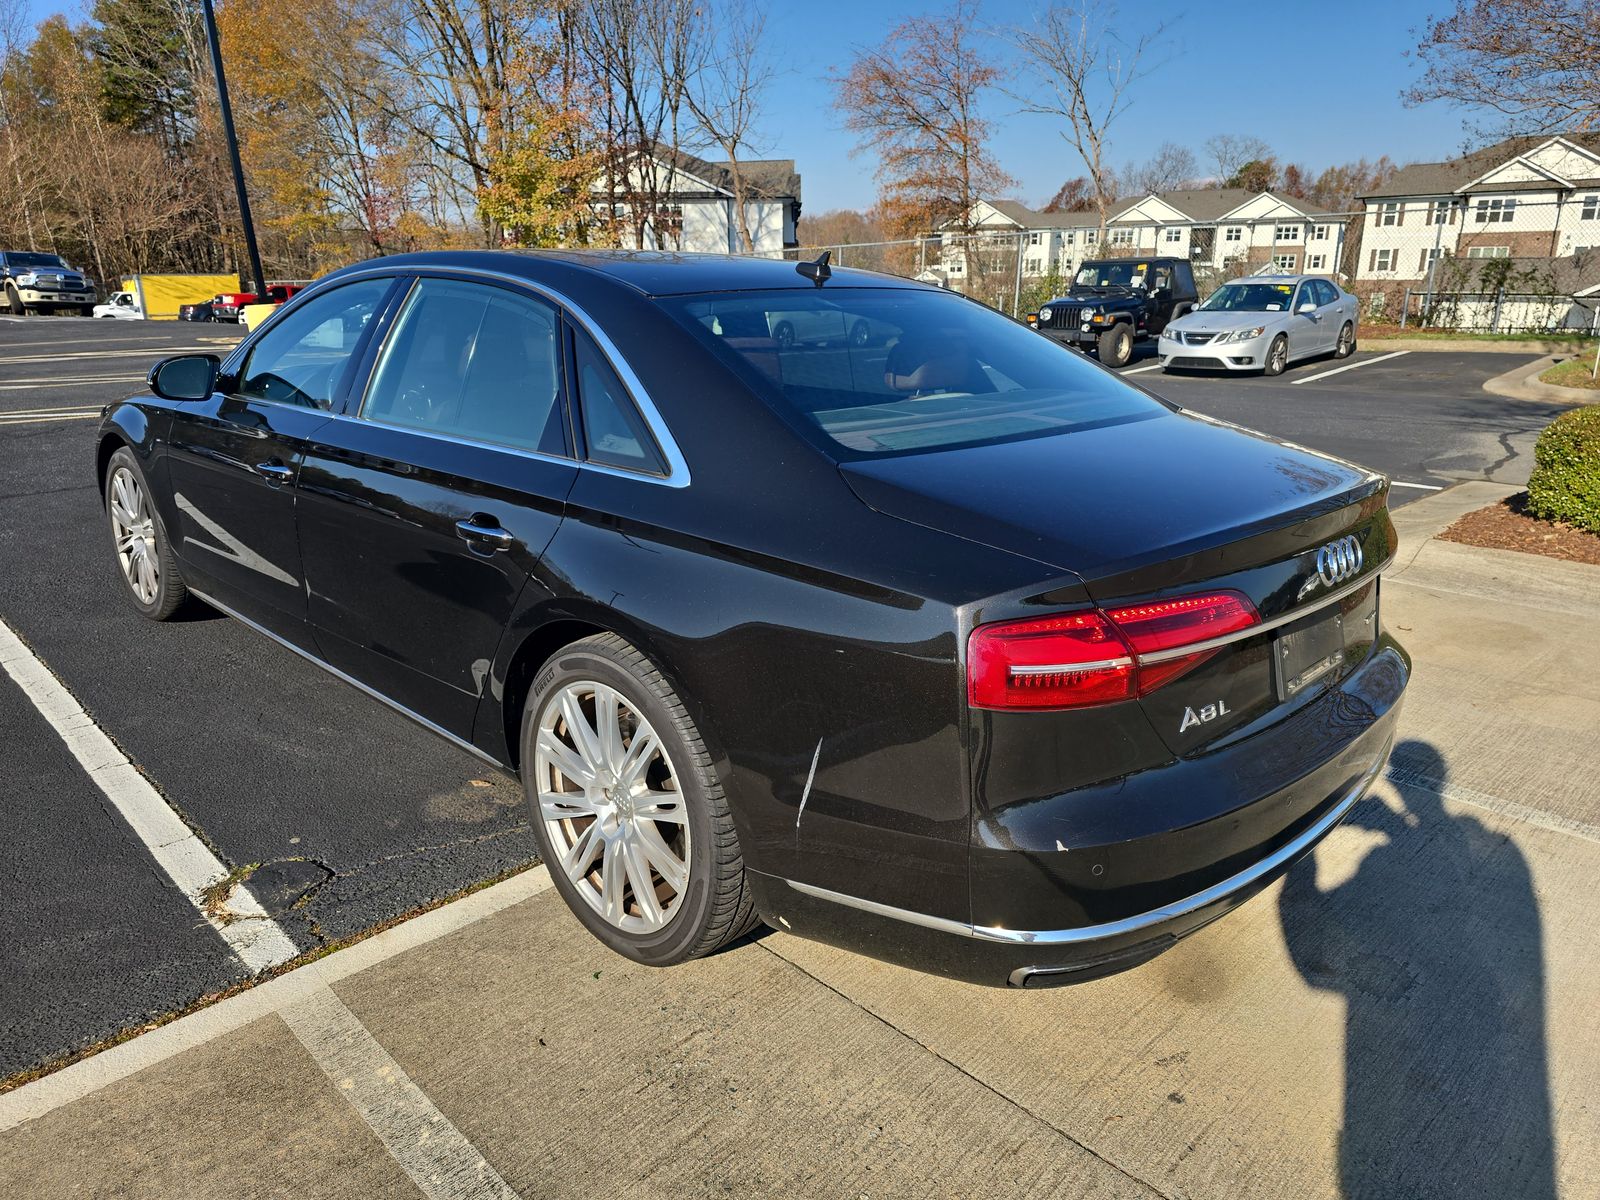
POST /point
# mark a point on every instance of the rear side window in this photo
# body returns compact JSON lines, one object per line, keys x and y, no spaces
{"x":302,"y":357}
{"x":614,"y":434}
{"x":473,"y":361}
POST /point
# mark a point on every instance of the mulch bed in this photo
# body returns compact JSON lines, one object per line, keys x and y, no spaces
{"x":1508,"y":526}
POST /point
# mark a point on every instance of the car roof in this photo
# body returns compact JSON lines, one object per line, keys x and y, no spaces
{"x":1277,"y":279}
{"x":650,"y":272}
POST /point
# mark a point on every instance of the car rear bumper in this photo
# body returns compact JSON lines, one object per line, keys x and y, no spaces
{"x":1119,"y":904}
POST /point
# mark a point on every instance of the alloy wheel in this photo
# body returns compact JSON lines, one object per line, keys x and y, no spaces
{"x":611,"y":804}
{"x":134,"y":527}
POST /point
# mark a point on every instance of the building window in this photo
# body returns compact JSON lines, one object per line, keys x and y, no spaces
{"x":1284,"y":262}
{"x":1234,"y":234}
{"x":1031,"y":267}
{"x":1489,"y":252}
{"x":1174,"y":234}
{"x":1090,"y":236}
{"x":1426,"y":259}
{"x":1591,"y":208}
{"x":956,"y":268}
{"x":1490,"y":211}
{"x":1316,"y":262}
{"x":1321,"y":233}
{"x":1389,"y":214}
{"x":1033,"y":239}
{"x":1441,"y":212}
{"x":1382,"y":260}
{"x":1122,"y":237}
{"x":1286,"y":233}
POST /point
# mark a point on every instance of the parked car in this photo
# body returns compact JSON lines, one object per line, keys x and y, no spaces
{"x":32,"y":282}
{"x":1118,"y":302}
{"x":1263,"y":323}
{"x":956,"y":651}
{"x":823,"y":325}
{"x":205,"y":310}
{"x":228,"y":306}
{"x":123,"y":306}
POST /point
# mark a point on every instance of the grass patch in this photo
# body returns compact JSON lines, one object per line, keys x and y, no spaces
{"x":1568,"y":340}
{"x":1574,"y":373}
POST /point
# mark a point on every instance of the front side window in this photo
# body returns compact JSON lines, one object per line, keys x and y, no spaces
{"x":908,"y":371}
{"x":472,"y":361}
{"x":301,"y":358}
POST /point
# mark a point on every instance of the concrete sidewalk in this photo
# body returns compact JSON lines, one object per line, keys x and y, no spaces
{"x":1409,"y":1014}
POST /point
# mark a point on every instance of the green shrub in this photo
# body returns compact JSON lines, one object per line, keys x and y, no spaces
{"x":1566,"y":477}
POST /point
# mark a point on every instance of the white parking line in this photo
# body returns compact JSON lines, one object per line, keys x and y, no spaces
{"x":257,"y":940}
{"x":1421,"y":487}
{"x":32,"y":418}
{"x":1365,"y":362}
{"x":150,"y":352}
{"x":1141,"y":370}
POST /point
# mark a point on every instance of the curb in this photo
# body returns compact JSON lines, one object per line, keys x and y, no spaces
{"x":1522,"y":383}
{"x":1526,"y":346}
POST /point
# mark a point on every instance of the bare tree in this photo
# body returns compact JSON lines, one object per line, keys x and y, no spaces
{"x":1229,"y":152}
{"x":1172,"y":166}
{"x":725,"y":96}
{"x":1078,"y":73}
{"x":1534,"y":62}
{"x":916,"y":100}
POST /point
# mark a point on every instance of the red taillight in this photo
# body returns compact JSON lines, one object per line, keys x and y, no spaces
{"x":1094,"y":657}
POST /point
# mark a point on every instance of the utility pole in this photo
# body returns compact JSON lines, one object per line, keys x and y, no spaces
{"x":259,"y":279}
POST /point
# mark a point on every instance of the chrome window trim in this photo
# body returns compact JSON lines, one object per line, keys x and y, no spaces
{"x":677,"y":475}
{"x":1236,"y":882}
{"x":1240,"y":635}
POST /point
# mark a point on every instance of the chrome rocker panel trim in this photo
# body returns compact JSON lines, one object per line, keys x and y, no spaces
{"x":1111,"y":929}
{"x":460,"y":743}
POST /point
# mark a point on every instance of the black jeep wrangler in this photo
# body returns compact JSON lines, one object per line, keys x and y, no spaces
{"x":1116,"y":302}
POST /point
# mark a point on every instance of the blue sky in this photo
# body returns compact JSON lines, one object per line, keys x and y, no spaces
{"x":1327,"y":91}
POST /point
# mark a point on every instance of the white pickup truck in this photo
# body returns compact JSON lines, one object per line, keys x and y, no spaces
{"x":122,"y":305}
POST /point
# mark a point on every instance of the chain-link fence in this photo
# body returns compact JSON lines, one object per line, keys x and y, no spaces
{"x":1495,"y":264}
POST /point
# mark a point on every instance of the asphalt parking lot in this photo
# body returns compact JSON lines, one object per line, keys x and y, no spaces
{"x":341,"y":814}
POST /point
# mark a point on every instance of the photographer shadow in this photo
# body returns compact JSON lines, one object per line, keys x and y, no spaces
{"x":1435,"y":945}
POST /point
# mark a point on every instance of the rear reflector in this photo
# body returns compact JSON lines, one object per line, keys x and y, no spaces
{"x":1093,"y":657}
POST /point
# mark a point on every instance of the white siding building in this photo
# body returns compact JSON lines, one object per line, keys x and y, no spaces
{"x":697,"y":209}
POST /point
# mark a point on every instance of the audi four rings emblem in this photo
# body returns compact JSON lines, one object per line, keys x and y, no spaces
{"x":1338,"y":561}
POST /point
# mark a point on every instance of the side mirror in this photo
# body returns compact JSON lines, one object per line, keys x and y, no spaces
{"x":186,"y":377}
{"x":1307,"y":307}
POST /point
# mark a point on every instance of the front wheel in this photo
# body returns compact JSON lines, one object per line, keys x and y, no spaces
{"x":148,"y":570}
{"x":1277,"y":356}
{"x":630,"y":817}
{"x":783,"y":334}
{"x":14,"y":302}
{"x":1346,"y":345}
{"x":1115,"y":346}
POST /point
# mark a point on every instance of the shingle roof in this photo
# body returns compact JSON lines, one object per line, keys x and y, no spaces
{"x":768,"y":178}
{"x":1443,"y":178}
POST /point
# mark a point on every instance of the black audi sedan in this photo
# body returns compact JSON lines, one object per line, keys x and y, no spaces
{"x":945,"y":645}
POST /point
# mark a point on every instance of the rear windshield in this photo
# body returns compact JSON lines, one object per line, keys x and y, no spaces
{"x":894,"y":371}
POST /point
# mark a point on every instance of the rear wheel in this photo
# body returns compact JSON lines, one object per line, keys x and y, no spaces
{"x":783,"y":333}
{"x":1277,"y":356}
{"x":860,"y":333}
{"x":1346,"y":345}
{"x":1115,"y":346}
{"x":630,"y":817}
{"x":149,"y":573}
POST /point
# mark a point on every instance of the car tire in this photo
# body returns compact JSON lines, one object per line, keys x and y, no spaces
{"x":783,"y":334}
{"x":596,"y":817}
{"x":1277,"y":356}
{"x":139,"y":542}
{"x":860,"y":333}
{"x":86,"y":310}
{"x":1346,"y":345}
{"x":1115,"y":346}
{"x":14,"y":303}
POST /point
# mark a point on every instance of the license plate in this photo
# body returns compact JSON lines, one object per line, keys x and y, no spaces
{"x":1308,"y":651}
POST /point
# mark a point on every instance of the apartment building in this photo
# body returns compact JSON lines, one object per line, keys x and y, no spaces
{"x":1223,"y":230}
{"x":1531,"y":199}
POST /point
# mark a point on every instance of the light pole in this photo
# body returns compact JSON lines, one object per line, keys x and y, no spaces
{"x":259,"y":279}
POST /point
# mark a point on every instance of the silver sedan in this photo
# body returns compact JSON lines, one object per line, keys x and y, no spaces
{"x":1262,"y":323}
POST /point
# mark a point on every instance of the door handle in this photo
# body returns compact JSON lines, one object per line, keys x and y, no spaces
{"x":479,"y":529}
{"x":274,"y":471}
